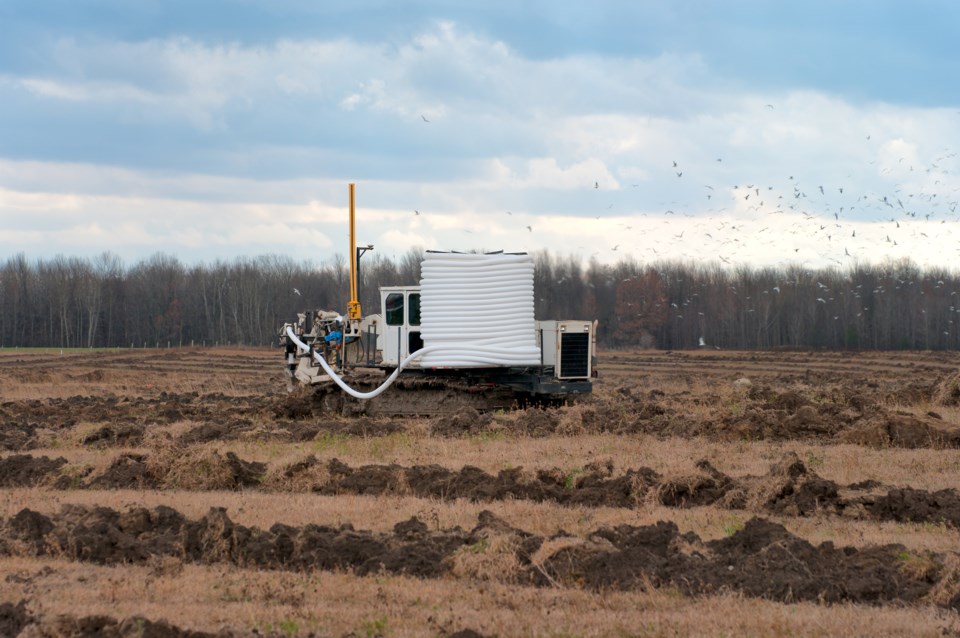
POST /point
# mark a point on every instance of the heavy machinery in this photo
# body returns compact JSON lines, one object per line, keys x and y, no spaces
{"x":466,"y":336}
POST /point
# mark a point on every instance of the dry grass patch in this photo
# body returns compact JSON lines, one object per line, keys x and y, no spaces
{"x":947,"y":390}
{"x":213,"y":598}
{"x":947,"y":590}
{"x":948,"y":415}
{"x":181,"y":467}
{"x":492,"y":558}
{"x":307,"y":475}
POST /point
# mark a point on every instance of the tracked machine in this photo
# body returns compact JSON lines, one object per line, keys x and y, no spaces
{"x":466,"y":336}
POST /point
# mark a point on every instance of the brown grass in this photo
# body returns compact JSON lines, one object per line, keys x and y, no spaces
{"x":480,"y":592}
{"x":198,"y":468}
{"x":844,"y":463}
{"x":211,"y":598}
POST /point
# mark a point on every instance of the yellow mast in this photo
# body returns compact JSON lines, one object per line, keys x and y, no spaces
{"x":353,"y":306}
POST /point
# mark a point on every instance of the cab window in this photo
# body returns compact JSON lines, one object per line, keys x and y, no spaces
{"x":413,"y":309}
{"x":394,"y":309}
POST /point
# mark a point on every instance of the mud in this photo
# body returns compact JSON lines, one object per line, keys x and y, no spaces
{"x":21,"y":470}
{"x":761,"y":560}
{"x":802,"y":407}
{"x":902,"y":430}
{"x":108,"y":537}
{"x":125,"y":421}
{"x":120,"y":434}
{"x":845,"y":413}
{"x":466,"y":421}
{"x":127,"y":471}
{"x":152,"y":421}
{"x":15,"y":619}
{"x":591,"y":487}
{"x":789,"y":488}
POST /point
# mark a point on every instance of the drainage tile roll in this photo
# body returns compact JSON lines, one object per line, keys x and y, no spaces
{"x":477,"y":311}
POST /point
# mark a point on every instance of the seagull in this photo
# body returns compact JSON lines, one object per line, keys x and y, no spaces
{"x":424,"y":117}
{"x":296,"y":292}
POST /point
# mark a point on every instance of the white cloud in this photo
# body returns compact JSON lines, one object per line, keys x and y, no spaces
{"x":581,"y":148}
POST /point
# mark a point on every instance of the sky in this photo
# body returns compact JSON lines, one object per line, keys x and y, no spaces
{"x":815,"y":133}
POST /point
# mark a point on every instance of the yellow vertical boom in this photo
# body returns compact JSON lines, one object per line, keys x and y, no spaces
{"x":354,"y":312}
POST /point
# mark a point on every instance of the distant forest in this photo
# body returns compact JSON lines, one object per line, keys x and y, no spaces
{"x":162,"y":302}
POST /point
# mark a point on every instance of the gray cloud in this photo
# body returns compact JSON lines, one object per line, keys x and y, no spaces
{"x":208,"y":149}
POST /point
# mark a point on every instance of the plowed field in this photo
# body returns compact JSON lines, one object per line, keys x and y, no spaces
{"x":185,"y":493}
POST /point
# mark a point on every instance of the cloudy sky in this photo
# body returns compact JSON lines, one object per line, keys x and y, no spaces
{"x":746,"y":132}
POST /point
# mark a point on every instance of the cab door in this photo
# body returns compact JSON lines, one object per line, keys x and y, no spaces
{"x":395,"y":328}
{"x":401,"y":318}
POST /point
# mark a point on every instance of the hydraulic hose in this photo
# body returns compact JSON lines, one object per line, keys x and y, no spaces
{"x":340,"y":382}
{"x":464,"y":355}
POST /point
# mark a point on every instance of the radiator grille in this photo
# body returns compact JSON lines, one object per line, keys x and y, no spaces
{"x":574,"y":355}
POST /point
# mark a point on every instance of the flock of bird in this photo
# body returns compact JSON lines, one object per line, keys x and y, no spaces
{"x":818,"y":223}
{"x":807,"y":224}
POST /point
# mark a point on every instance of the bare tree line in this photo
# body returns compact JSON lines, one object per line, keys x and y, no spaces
{"x":159,"y":301}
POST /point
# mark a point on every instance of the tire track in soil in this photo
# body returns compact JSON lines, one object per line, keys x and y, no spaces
{"x":762,"y":559}
{"x":788,"y":489}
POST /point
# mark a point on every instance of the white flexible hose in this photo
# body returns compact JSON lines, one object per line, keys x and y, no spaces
{"x":336,"y":378}
{"x":456,"y":356}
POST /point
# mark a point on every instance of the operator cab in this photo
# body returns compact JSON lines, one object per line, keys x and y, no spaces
{"x":401,"y":324}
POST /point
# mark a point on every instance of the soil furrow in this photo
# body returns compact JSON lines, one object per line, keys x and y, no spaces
{"x":761,"y":560}
{"x":788,"y":489}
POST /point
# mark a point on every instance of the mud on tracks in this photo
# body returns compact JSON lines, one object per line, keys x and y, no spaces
{"x":761,"y":560}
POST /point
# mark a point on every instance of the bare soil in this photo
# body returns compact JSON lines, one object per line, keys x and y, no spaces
{"x":762,"y":559}
{"x":182,"y":423}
